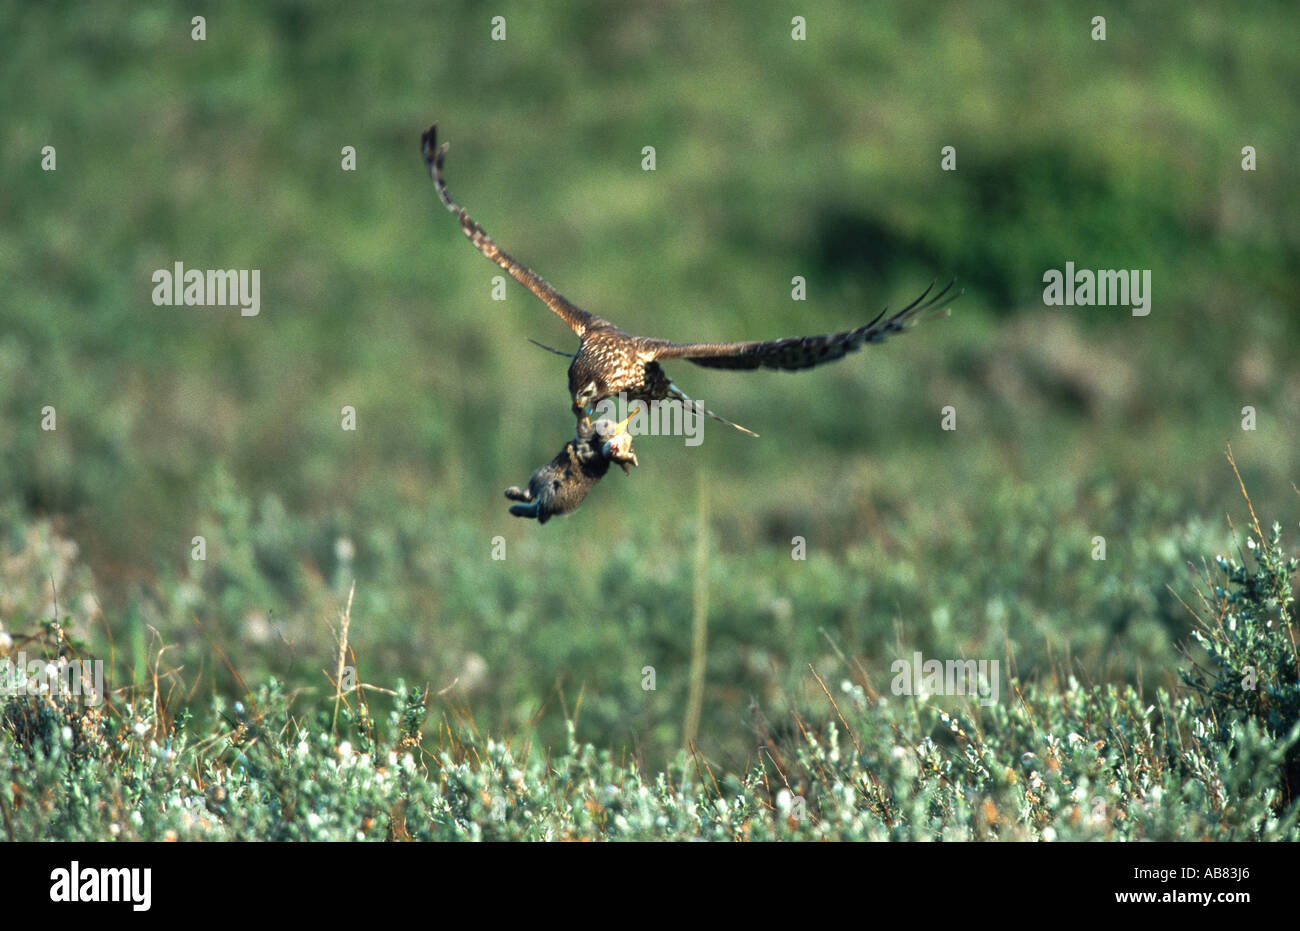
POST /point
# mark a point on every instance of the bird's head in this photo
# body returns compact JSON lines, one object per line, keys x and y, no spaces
{"x":584,"y":398}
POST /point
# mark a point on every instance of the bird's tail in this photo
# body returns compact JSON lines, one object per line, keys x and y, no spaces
{"x":678,"y":395}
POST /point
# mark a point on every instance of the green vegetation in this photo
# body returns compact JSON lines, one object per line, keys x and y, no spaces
{"x":1216,"y":761}
{"x":774,"y":159}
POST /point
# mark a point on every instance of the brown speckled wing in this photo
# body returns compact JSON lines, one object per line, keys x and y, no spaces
{"x":803,"y":352}
{"x":574,"y":316}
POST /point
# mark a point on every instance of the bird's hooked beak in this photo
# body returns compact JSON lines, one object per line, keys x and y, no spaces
{"x":584,"y":401}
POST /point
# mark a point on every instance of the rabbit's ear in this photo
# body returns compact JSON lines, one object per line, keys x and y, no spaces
{"x":621,"y":426}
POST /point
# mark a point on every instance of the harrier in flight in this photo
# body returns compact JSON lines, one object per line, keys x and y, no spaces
{"x":610,"y":362}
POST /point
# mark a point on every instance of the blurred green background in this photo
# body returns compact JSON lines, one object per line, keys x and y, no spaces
{"x":775,"y":158}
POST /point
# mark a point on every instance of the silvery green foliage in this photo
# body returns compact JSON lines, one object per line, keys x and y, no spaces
{"x":1079,"y":764}
{"x":1056,"y":759}
{"x":1248,"y":630}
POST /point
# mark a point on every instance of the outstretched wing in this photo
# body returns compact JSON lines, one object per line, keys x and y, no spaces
{"x":800,"y":352}
{"x":575,"y":317}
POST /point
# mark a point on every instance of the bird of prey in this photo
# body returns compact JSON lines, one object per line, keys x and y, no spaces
{"x":560,"y":486}
{"x":610,"y":362}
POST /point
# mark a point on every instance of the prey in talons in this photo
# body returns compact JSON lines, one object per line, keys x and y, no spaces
{"x":560,"y":486}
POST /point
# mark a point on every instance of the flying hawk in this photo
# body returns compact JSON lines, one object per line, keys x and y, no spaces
{"x":610,"y":362}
